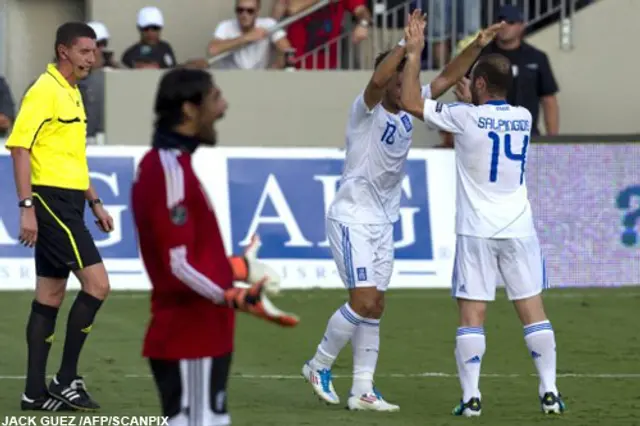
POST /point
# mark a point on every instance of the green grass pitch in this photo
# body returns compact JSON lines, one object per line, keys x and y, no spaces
{"x":596,"y":331}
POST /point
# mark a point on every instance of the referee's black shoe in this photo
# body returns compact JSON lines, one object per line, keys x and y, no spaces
{"x":73,"y":394}
{"x":43,"y":403}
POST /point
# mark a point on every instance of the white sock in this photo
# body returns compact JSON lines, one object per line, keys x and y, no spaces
{"x":541,"y":342}
{"x":341,"y":327}
{"x":470,"y":347}
{"x":366,"y":344}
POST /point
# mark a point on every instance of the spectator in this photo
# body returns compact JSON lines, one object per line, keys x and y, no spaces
{"x":104,"y":55}
{"x":441,"y":24}
{"x":92,"y":87}
{"x":323,"y":27}
{"x":247,"y":40}
{"x":7,"y":108}
{"x":151,"y":50}
{"x":534,"y":83}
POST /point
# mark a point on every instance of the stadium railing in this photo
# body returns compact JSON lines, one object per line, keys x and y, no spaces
{"x":281,"y":25}
{"x":444,"y":27}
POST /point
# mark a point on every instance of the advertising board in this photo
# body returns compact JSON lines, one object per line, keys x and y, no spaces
{"x":281,"y":194}
{"x":585,"y":199}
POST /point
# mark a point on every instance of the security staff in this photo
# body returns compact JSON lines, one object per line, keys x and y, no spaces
{"x":534,"y":84}
{"x":48,"y":147}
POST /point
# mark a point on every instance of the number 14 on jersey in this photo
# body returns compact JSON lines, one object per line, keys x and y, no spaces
{"x":509,"y":154}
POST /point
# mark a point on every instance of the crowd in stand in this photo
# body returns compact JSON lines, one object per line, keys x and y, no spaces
{"x":326,"y":38}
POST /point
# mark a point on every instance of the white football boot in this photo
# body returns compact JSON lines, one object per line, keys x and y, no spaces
{"x":370,"y":402}
{"x":322,"y":383}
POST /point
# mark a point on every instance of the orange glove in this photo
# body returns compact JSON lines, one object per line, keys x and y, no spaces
{"x":249,"y":269}
{"x":254,"y":301}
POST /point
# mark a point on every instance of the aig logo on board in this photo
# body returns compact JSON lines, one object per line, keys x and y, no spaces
{"x":111,"y":177}
{"x":285,"y":200}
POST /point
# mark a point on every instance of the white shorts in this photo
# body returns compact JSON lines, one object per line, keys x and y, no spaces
{"x":480,"y":262}
{"x":363,"y":253}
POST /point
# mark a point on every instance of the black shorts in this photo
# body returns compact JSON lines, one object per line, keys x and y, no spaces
{"x":64,"y":243}
{"x":194,"y":389}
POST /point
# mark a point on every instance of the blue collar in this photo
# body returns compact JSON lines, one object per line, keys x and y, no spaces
{"x":496,"y":102}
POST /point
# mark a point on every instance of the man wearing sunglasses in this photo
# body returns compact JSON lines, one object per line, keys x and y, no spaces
{"x":247,"y":40}
{"x":150,"y":23}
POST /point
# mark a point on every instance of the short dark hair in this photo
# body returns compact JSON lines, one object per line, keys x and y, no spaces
{"x":177,"y":87}
{"x":495,"y":69}
{"x":383,"y":55}
{"x":69,"y":32}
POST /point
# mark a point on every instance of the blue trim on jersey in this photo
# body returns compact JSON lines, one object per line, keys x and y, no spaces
{"x":545,"y":279}
{"x":496,"y":102}
{"x":543,"y":326}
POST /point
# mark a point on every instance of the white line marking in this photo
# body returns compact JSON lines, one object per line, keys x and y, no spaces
{"x":426,"y":294}
{"x":395,"y":376}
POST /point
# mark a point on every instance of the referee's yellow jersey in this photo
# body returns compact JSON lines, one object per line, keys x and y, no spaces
{"x":52,"y":124}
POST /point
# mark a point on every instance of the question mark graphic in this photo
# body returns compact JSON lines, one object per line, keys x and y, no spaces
{"x":629,"y":235}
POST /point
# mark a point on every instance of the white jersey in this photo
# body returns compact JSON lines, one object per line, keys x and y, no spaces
{"x":491,"y":142}
{"x":377,"y":145}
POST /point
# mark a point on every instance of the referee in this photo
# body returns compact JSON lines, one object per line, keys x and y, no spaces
{"x":48,"y":148}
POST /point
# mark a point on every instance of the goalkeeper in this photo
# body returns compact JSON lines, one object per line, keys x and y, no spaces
{"x":189,"y":340}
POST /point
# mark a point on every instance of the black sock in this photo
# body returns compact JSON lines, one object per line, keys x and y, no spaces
{"x":81,"y":318}
{"x":40,"y":335}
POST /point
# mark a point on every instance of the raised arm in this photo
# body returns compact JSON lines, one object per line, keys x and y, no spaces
{"x":387,"y":68}
{"x":411,"y":99}
{"x":457,"y":68}
{"x":442,"y":117}
{"x":411,"y":94}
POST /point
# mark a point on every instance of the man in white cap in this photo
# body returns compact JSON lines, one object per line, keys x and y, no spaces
{"x":105,"y":55}
{"x":151,"y":48}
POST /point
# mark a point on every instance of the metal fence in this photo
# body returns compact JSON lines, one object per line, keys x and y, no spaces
{"x":450,"y":22}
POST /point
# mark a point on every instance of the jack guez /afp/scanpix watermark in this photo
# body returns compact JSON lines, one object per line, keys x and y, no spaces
{"x":84,"y":421}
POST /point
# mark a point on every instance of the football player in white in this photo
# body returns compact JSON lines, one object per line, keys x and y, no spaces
{"x":496,"y":237}
{"x":360,"y":219}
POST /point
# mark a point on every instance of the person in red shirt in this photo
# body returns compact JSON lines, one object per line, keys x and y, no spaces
{"x":183,"y":253}
{"x":323,"y":26}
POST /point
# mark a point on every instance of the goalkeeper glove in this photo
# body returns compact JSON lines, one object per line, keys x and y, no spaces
{"x":249,"y":269}
{"x":254,"y":301}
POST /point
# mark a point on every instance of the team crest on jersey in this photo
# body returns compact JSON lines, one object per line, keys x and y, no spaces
{"x":179,"y":215}
{"x":406,"y":122}
{"x":362,"y":274}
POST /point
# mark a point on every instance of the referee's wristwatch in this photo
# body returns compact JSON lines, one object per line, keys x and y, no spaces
{"x":26,"y":203}
{"x":95,"y":202}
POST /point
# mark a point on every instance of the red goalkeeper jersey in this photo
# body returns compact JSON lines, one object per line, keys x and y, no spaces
{"x":184,"y":256}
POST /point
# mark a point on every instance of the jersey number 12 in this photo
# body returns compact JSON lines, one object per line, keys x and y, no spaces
{"x":495,"y":154}
{"x":389,"y":134}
